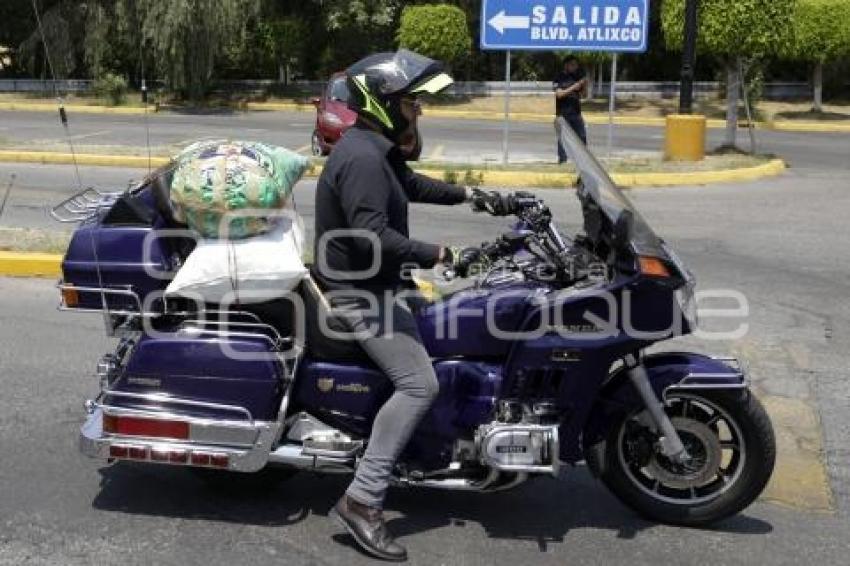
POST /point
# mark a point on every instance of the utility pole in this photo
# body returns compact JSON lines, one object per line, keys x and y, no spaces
{"x":689,"y":51}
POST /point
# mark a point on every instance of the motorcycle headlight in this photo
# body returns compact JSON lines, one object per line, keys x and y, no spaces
{"x":686,"y":299}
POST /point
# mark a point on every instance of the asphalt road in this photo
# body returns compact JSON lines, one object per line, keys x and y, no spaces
{"x":445,"y":139}
{"x":781,"y":242}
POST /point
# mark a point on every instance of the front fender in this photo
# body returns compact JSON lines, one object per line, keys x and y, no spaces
{"x":668,"y":371}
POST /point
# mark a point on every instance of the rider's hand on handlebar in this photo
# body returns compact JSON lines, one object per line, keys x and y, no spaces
{"x":493,"y":202}
{"x":461,"y":261}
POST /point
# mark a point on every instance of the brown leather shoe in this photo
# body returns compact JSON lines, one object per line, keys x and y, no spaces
{"x":366,"y":525}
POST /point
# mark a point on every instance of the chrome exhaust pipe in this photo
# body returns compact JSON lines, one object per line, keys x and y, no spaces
{"x":292,"y":455}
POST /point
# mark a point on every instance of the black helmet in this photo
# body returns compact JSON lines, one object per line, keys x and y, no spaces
{"x":378,"y":83}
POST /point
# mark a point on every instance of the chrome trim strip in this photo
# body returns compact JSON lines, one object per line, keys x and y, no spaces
{"x":168,"y":399}
{"x":95,"y":444}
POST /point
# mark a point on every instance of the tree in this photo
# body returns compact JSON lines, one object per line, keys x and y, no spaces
{"x":185,"y":37}
{"x":285,"y":38}
{"x":732,"y":30}
{"x":358,"y":28}
{"x":63,"y":24}
{"x":438,"y":31}
{"x":821,"y":34}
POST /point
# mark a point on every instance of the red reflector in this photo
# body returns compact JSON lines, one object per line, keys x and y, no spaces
{"x":178,"y":456}
{"x":136,"y":426}
{"x":118,"y":452}
{"x":138,"y":453}
{"x":199,"y":459}
{"x":219,"y":460}
{"x":159,"y":455}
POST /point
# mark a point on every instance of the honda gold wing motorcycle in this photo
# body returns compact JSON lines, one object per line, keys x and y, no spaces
{"x":541,"y":360}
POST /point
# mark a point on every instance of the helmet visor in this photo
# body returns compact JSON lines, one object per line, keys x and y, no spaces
{"x":404,"y":71}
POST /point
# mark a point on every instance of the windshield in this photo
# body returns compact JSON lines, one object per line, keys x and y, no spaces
{"x":339,"y":90}
{"x":600,"y":189}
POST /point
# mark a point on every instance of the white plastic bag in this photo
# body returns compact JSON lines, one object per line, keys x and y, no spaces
{"x":251,"y":270}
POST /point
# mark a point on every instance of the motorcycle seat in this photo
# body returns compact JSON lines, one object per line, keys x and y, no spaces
{"x":318,"y":345}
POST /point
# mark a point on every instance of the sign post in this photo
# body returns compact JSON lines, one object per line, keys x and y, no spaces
{"x":507,"y":128}
{"x":612,"y":98}
{"x":576,"y":25}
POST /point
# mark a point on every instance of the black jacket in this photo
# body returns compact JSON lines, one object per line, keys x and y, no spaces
{"x":366,"y":186}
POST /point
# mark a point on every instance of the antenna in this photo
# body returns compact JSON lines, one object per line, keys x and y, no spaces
{"x":144,"y":90}
{"x":63,"y":117}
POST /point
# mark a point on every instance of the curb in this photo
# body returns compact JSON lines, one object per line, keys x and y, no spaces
{"x":52,"y":158}
{"x":788,"y":126}
{"x":591,"y":117}
{"x":510,"y":179}
{"x":30,"y":264}
{"x":539,"y":179}
{"x":79,"y":108}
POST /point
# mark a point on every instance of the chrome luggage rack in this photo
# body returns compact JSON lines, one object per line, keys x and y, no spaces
{"x":83,"y":205}
{"x":208,"y":323}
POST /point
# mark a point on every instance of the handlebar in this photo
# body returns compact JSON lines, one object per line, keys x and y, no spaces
{"x":505,"y":245}
{"x":498,"y":204}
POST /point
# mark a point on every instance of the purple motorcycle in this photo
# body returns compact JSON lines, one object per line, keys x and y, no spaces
{"x":540,"y":358}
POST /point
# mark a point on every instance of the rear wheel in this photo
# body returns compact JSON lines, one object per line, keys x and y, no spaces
{"x":731,"y":450}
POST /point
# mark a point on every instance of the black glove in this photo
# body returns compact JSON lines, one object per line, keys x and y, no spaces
{"x":493,"y":202}
{"x":463,"y":261}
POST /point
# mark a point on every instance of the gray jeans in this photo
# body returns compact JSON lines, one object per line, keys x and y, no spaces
{"x":390,"y":337}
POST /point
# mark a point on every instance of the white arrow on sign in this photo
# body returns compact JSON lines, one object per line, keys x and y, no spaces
{"x":501,"y":22}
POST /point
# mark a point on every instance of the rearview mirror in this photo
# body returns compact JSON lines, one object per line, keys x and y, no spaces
{"x":316,"y":101}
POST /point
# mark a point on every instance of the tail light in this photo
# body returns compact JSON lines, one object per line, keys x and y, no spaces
{"x":149,"y":428}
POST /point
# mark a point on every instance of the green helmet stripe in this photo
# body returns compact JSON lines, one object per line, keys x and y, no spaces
{"x":373,"y":107}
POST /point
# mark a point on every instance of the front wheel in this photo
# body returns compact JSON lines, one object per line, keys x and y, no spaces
{"x":731,"y":448}
{"x":316,"y":144}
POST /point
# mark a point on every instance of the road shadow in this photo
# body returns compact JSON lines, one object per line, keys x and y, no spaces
{"x":543,"y":510}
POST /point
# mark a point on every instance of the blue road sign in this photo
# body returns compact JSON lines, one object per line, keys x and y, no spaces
{"x":577,"y":25}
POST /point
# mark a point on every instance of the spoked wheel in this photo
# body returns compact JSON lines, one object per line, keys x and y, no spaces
{"x":731,"y":449}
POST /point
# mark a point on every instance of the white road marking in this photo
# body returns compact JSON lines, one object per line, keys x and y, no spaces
{"x":91,"y":135}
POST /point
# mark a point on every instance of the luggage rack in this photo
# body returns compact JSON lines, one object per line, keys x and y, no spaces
{"x":83,"y":205}
{"x":206,"y":322}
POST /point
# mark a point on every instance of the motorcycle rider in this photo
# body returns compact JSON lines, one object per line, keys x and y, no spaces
{"x":364,"y":191}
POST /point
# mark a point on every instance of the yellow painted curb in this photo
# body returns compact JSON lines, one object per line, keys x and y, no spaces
{"x":544,"y":179}
{"x":589,"y":117}
{"x":76,"y":108}
{"x":30,"y":264}
{"x":47,"y":157}
{"x":789,"y":126}
{"x":271,"y":106}
{"x":496,"y":178}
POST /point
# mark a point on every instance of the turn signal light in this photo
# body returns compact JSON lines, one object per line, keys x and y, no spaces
{"x":70,"y":296}
{"x":151,"y":428}
{"x":653,"y":267}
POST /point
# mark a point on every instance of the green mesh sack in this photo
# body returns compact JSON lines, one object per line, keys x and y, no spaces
{"x":221,"y":188}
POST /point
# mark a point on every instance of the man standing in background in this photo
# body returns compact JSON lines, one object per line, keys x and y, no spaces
{"x":568,"y":86}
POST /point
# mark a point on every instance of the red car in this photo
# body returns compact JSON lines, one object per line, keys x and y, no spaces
{"x":333,"y":116}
